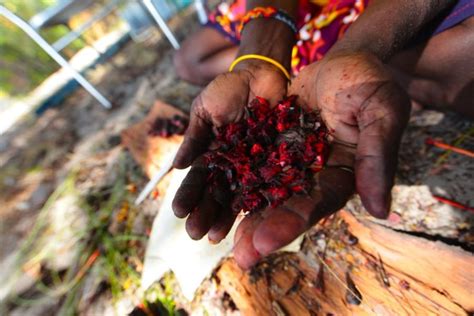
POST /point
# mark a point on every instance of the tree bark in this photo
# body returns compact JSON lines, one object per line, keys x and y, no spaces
{"x":395,"y":274}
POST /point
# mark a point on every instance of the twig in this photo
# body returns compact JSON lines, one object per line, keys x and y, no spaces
{"x":454,"y":203}
{"x":456,"y":143}
{"x":90,"y":261}
{"x":439,"y":144}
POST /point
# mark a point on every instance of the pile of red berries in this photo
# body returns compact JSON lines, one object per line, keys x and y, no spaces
{"x":269,"y":155}
{"x":166,"y":127}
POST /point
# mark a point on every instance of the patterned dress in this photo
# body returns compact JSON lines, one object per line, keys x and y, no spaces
{"x":322,"y":22}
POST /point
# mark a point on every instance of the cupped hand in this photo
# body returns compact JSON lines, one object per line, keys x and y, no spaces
{"x":366,"y":113}
{"x":222,"y":102}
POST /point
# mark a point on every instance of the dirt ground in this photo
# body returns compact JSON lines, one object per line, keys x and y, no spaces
{"x":63,"y":177}
{"x":71,"y":239}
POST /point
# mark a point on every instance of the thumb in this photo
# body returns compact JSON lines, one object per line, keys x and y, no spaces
{"x":381,"y":121}
{"x":196,"y":141}
{"x":304,"y":85}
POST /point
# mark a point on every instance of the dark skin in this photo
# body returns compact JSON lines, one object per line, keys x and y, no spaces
{"x":199,"y":64}
{"x":359,"y":98}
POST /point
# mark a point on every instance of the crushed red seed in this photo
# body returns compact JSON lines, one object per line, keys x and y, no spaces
{"x":270,"y":154}
{"x":166,"y":127}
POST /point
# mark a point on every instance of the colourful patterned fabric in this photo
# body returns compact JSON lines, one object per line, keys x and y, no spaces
{"x":321,"y":23}
{"x":226,"y":19}
{"x":462,"y":10}
{"x":267,"y":12}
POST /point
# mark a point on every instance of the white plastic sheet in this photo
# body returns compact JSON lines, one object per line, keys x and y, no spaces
{"x":170,"y":247}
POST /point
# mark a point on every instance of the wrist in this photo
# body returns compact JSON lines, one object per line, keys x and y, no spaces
{"x":350,"y":51}
{"x":257,"y":68}
{"x":267,"y":37}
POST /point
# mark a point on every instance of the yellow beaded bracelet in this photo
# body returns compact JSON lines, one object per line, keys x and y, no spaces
{"x":260,"y":57}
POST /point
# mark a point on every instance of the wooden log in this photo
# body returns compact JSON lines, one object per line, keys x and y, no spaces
{"x":448,"y":269}
{"x":151,"y":152}
{"x":395,"y":274}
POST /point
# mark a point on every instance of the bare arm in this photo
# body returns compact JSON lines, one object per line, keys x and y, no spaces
{"x":269,"y":37}
{"x":223,"y":99}
{"x":387,"y":26}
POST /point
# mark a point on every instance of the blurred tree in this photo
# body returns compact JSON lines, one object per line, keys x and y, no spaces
{"x":23,"y":64}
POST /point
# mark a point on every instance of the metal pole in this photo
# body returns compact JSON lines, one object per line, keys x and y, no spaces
{"x":64,"y":41}
{"x":161,"y":23}
{"x":200,"y":6}
{"x":57,"y":57}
